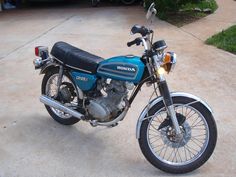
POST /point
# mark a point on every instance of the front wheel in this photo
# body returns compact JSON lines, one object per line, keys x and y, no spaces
{"x":164,"y":150}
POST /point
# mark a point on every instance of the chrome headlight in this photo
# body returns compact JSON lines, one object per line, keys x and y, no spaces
{"x":169,"y":61}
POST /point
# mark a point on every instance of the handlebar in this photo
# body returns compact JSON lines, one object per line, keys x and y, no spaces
{"x":137,"y":41}
{"x":145,"y":39}
{"x":140,"y":29}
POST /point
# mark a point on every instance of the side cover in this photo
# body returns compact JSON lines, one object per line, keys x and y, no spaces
{"x":125,"y":68}
{"x":84,"y":81}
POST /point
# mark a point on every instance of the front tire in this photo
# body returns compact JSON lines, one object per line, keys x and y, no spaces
{"x":57,"y":115}
{"x":182,"y":156}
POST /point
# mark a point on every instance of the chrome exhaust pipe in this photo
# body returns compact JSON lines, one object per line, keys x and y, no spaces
{"x":57,"y":105}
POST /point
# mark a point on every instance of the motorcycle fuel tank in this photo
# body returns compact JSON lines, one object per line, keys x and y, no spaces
{"x":125,"y":68}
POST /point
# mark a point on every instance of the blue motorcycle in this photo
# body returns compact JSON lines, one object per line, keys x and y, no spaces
{"x":176,"y":131}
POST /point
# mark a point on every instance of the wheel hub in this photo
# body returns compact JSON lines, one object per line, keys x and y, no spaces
{"x":172,"y":140}
{"x":66,"y":92}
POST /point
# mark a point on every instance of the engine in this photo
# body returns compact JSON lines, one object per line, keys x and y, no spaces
{"x":111,"y":100}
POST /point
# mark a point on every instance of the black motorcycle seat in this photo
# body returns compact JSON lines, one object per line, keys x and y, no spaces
{"x":75,"y":58}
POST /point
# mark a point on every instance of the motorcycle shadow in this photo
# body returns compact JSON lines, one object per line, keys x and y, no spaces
{"x":82,"y":148}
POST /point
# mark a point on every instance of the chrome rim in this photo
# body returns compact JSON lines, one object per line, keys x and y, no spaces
{"x":186,"y":150}
{"x":51,"y":89}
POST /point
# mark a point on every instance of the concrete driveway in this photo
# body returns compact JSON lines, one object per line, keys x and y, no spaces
{"x":32,"y":144}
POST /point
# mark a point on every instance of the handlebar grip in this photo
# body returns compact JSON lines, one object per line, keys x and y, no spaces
{"x":137,"y":41}
{"x":129,"y":44}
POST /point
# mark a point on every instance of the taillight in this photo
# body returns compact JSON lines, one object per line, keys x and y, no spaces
{"x":41,"y":51}
{"x":36,"y":51}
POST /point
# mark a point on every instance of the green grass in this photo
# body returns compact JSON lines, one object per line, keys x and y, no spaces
{"x":186,"y":13}
{"x":225,"y":40}
{"x":180,"y":19}
{"x":207,"y":4}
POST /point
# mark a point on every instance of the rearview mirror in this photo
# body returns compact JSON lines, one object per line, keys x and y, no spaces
{"x":151,"y":11}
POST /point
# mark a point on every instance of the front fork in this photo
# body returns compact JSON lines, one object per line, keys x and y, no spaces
{"x":164,"y":91}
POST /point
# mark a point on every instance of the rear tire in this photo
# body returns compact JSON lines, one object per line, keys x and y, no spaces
{"x":166,"y":165}
{"x":65,"y":121}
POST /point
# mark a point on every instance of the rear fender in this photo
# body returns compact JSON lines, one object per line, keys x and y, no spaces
{"x":142,"y":116}
{"x":47,"y":67}
{"x":51,"y":66}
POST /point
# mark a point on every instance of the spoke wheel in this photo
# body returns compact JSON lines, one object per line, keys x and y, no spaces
{"x":170,"y":153}
{"x":49,"y":88}
{"x":167,"y":148}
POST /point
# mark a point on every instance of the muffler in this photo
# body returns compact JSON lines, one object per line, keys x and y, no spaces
{"x":57,"y":105}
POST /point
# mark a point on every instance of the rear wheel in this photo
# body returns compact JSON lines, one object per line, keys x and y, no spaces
{"x":67,"y":95}
{"x":165,"y":151}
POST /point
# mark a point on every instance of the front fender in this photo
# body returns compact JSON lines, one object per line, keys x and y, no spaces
{"x":160,"y":99}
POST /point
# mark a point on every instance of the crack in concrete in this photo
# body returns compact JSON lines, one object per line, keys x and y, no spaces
{"x":191,"y":34}
{"x":39,"y":36}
